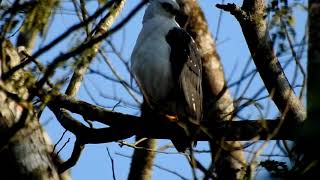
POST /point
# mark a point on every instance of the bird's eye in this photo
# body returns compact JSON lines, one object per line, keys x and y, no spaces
{"x":168,"y":7}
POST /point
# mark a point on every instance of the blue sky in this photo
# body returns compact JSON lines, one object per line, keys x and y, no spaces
{"x":94,"y":162}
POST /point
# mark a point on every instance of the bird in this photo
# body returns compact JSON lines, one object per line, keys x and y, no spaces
{"x":166,"y":65}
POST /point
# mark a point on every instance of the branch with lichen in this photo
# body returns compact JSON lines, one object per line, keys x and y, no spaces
{"x":251,"y":19}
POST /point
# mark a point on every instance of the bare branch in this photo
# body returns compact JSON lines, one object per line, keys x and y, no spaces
{"x":120,"y":79}
{"x":88,"y":55}
{"x":124,"y":125}
{"x":51,"y":67}
{"x":253,"y":25}
{"x":112,"y":164}
{"x":73,"y":159}
{"x":59,"y":39}
{"x":55,"y":146}
{"x":64,"y":145}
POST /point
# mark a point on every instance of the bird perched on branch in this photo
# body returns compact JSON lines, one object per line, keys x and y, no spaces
{"x":167,"y":68}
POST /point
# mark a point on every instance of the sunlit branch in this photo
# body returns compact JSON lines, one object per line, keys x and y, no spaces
{"x":250,"y":17}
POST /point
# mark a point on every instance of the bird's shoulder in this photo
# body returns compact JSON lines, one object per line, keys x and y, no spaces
{"x":184,"y":51}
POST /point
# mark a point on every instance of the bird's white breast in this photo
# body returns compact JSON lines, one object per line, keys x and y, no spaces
{"x":151,"y":58}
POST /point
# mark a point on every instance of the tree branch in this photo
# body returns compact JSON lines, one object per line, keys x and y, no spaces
{"x":63,"y":57}
{"x":250,"y":17}
{"x":124,"y":125}
{"x":86,"y":58}
{"x":88,"y":55}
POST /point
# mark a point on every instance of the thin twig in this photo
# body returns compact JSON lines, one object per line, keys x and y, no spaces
{"x":115,"y":73}
{"x":158,"y":166}
{"x":120,"y":81}
{"x":62,"y":147}
{"x":90,"y":94}
{"x":294,"y":54}
{"x":170,"y":171}
{"x":77,"y":149}
{"x":54,"y":147}
{"x":205,"y":171}
{"x":112,"y":164}
{"x":219,"y":23}
{"x":82,"y":47}
{"x":119,"y":55}
{"x":116,"y":105}
{"x":123,"y":143}
{"x":56,"y":41}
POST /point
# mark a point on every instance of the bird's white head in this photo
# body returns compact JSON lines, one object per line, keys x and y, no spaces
{"x":165,"y":8}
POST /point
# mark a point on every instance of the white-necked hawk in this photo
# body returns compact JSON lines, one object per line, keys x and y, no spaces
{"x":167,"y":67}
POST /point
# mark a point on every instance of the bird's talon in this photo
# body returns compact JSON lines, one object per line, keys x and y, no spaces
{"x":172,"y":118}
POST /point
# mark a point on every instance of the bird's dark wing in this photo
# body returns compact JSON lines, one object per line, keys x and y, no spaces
{"x":187,"y":74}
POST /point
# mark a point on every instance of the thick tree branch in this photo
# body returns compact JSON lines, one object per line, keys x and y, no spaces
{"x":230,"y":131}
{"x":253,"y":25}
{"x":142,"y":160}
{"x":125,"y":126}
{"x":87,"y":135}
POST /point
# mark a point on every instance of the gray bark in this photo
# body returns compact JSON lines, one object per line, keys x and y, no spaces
{"x":251,"y":19}
{"x":24,"y":147}
{"x":218,"y":103}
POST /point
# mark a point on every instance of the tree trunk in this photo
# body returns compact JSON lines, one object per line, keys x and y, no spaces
{"x":25,"y":150}
{"x":218,"y":103}
{"x":142,"y":159}
{"x":309,"y":166}
{"x":313,"y":93}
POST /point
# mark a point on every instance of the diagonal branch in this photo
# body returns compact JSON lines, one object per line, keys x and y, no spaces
{"x":250,"y":17}
{"x":88,"y":55}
